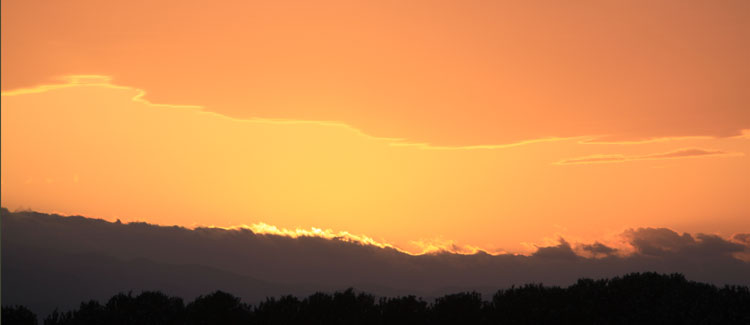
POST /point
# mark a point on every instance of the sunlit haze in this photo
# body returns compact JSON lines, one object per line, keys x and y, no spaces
{"x":498,"y":126}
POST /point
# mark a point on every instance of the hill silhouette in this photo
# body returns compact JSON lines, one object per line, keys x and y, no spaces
{"x":50,"y":261}
{"x":637,"y":298}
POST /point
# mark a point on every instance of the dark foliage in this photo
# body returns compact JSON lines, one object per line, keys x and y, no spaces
{"x":217,"y":308}
{"x":459,"y":308}
{"x":636,"y":298}
{"x":404,"y":310}
{"x":17,"y":315}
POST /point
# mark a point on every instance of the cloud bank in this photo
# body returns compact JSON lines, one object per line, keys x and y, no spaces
{"x":439,"y":78}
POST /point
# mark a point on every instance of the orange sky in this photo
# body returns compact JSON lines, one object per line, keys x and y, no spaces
{"x":489,"y":124}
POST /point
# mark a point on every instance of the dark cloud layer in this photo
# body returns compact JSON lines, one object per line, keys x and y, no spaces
{"x":742,"y":238}
{"x":665,"y":242}
{"x":598,"y":249}
{"x":51,"y":261}
{"x":561,"y":251}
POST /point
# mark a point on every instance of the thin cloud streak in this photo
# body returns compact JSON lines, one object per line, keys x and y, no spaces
{"x":675,"y":154}
{"x":603,"y":140}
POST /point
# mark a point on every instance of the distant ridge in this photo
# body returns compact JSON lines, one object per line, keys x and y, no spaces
{"x":53,"y":261}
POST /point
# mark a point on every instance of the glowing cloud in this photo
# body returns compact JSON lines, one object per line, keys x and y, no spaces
{"x":266,"y":229}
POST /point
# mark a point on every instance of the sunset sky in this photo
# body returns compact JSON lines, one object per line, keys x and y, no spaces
{"x":459,"y":125}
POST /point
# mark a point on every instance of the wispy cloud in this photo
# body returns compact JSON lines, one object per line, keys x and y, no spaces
{"x":611,"y":140}
{"x":675,"y":154}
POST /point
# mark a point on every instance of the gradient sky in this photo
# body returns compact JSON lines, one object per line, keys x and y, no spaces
{"x":457,"y":124}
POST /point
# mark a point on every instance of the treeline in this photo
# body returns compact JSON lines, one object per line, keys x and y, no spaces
{"x":631,"y":299}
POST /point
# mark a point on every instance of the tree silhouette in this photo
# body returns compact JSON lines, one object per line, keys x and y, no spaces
{"x":632,"y":299}
{"x":17,"y":315}
{"x":404,"y":310}
{"x":459,"y":308}
{"x":530,"y":304}
{"x":285,"y":310}
{"x":217,"y":308}
{"x":147,"y":308}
